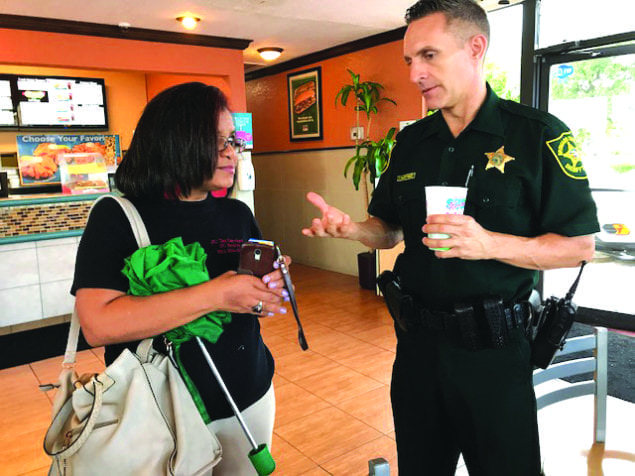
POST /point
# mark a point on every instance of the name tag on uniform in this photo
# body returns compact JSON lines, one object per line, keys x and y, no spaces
{"x":406,"y":177}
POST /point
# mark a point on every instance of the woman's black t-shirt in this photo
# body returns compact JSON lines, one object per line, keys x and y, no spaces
{"x":220,"y":225}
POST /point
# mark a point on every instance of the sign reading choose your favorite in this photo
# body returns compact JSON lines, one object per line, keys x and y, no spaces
{"x":39,"y":156}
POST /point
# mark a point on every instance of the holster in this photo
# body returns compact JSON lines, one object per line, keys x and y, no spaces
{"x":534,"y":307}
{"x":400,"y":305}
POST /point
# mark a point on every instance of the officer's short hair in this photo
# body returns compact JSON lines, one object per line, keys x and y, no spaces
{"x":467,"y":11}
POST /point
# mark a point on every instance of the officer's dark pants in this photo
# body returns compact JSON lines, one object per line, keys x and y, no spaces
{"x":447,"y":400}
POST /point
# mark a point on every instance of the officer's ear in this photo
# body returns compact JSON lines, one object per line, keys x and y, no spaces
{"x":478,"y":47}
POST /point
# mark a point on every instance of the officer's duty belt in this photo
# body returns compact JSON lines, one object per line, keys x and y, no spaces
{"x":479,"y":324}
{"x":484,"y":325}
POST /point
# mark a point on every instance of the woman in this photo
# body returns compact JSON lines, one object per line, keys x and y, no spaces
{"x":184,"y":147}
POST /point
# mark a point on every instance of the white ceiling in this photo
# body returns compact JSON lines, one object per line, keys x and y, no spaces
{"x":299,"y":27}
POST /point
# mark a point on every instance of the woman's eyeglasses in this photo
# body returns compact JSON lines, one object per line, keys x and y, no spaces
{"x":237,"y":143}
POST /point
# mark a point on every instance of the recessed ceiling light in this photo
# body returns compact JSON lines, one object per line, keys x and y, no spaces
{"x":270,"y":53}
{"x":188,"y":21}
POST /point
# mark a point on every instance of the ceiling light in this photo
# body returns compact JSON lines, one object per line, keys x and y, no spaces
{"x":503,"y":2}
{"x":270,"y":53}
{"x":188,"y":21}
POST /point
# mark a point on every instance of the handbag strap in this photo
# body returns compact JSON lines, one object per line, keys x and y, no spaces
{"x":61,"y":418}
{"x":142,"y":238}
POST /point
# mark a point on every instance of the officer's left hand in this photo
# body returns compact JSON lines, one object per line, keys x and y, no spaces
{"x":468,"y":239}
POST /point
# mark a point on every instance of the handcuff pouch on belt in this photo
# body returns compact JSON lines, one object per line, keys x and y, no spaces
{"x":486,"y":322}
{"x":469,"y":332}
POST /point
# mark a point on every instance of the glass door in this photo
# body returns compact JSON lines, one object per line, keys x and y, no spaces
{"x":593,"y":92}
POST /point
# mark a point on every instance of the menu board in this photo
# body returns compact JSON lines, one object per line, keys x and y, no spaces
{"x":52,"y":102}
{"x":39,"y":155}
{"x":7,"y":116}
{"x":43,"y":101}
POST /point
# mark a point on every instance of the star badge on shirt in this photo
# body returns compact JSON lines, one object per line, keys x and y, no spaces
{"x":498,"y":159}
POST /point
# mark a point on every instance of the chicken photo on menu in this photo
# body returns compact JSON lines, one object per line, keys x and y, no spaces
{"x":305,"y":105}
{"x":38,"y":159}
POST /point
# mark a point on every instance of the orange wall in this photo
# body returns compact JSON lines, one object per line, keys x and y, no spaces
{"x":267,"y":100}
{"x":77,"y":51}
{"x":158,"y":82}
{"x":134,"y":71}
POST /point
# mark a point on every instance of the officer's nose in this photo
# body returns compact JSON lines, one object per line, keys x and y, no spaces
{"x":418,"y":72}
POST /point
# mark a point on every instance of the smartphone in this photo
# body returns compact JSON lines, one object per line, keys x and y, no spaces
{"x":257,"y":257}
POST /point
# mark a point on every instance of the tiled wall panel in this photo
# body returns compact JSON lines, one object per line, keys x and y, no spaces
{"x":18,"y":305}
{"x":56,"y":298}
{"x":56,"y":261}
{"x":35,"y":280}
{"x":43,"y":218}
{"x":18,"y":267}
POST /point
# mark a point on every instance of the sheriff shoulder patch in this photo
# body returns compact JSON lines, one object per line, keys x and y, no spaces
{"x":406,"y":177}
{"x":565,"y":150}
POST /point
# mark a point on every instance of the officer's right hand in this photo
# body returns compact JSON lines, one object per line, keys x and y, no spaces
{"x":333,"y":223}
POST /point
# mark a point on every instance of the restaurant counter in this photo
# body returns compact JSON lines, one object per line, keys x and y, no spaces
{"x":39,"y":235}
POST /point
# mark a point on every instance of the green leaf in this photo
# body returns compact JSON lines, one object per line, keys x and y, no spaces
{"x":344,"y":92}
{"x":357,"y":173}
{"x":345,"y":95}
{"x":349,"y":163}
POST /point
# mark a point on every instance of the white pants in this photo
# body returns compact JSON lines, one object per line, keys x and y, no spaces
{"x":259,"y":418}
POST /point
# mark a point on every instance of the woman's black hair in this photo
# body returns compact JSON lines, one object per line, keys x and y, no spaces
{"x":174,"y":148}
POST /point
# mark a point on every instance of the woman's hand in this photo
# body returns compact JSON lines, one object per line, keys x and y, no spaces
{"x":275,"y":279}
{"x":242,"y":293}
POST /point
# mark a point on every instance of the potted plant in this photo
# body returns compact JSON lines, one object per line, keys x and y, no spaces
{"x":371,"y":157}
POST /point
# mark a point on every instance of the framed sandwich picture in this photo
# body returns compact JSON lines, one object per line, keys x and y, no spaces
{"x":305,"y":104}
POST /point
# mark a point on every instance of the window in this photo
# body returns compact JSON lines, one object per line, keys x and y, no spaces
{"x":593,"y":92}
{"x":502,"y":63}
{"x":563,"y":21}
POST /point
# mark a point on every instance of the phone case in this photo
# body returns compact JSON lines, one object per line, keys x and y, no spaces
{"x":256,"y":258}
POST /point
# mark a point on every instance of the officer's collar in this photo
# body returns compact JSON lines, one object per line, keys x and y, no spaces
{"x":487,"y":118}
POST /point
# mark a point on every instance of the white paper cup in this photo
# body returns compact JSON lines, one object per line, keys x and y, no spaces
{"x":444,"y":201}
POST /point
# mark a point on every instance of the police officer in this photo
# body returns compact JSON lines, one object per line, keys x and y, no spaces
{"x":462,"y":377}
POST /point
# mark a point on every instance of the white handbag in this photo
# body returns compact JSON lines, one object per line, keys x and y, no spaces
{"x":136,"y":418}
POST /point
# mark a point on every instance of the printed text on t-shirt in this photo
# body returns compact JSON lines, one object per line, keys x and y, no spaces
{"x":227,"y":245}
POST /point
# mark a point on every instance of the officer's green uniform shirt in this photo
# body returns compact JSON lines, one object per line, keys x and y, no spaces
{"x":527,"y":181}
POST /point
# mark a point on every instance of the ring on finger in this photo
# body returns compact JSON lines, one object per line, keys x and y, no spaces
{"x":257,"y":309}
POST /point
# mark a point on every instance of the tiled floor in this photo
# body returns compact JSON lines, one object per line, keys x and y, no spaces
{"x":333,"y":408}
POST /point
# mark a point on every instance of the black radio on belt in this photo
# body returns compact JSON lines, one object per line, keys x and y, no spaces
{"x":554,"y":322}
